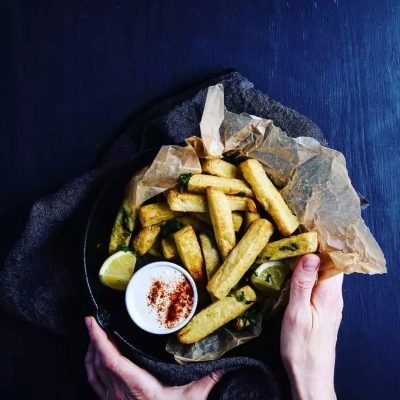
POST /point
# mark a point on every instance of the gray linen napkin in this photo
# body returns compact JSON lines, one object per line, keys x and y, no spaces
{"x":41,"y":280}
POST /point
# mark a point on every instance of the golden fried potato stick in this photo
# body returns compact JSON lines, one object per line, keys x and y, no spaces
{"x":251,"y":205}
{"x":156,"y":250}
{"x":221,"y":168}
{"x":196,"y":223}
{"x":124,"y":225}
{"x":153,"y":214}
{"x":269,"y":197}
{"x":250,"y":217}
{"x":169,"y":249}
{"x":236,"y":217}
{"x":222,"y":222}
{"x":239,"y":203}
{"x":289,"y":247}
{"x":210,"y":254}
{"x":216,"y":315}
{"x":145,"y":239}
{"x":241,"y":258}
{"x":197,"y":203}
{"x":237,"y":221}
{"x":199,"y":183}
{"x":186,"y":202}
{"x":190,"y":252}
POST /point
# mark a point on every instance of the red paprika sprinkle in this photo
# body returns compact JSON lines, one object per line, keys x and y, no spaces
{"x":180,"y":303}
{"x":156,"y":290}
{"x":173,"y":303}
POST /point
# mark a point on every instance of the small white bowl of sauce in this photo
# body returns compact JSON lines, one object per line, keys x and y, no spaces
{"x":161,"y":297}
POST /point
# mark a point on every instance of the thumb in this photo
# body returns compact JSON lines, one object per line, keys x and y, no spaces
{"x":201,"y":388}
{"x":303,"y":281}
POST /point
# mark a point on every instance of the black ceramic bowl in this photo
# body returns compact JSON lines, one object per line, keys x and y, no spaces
{"x":108,"y":304}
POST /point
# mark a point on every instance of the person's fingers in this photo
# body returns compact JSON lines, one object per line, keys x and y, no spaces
{"x":328,"y":295}
{"x":109,"y":359}
{"x":108,"y":353}
{"x":93,"y":379}
{"x":201,"y":388}
{"x":105,"y":376}
{"x":89,"y":355}
{"x":99,"y":338}
{"x":303,"y":281}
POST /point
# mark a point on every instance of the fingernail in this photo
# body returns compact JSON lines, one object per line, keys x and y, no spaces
{"x":311,"y":264}
{"x":88,"y":322}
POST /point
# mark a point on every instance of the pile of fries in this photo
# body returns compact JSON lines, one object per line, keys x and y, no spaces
{"x":218,"y":225}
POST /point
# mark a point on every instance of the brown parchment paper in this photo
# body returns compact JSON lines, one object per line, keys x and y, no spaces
{"x":163,"y":173}
{"x":313,"y":180}
{"x":315,"y":184}
{"x":213,"y":346}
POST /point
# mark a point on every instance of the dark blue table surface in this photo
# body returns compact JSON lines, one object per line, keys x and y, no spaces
{"x":73,"y":73}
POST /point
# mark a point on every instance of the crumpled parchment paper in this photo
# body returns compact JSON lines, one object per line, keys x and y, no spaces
{"x":163,"y":173}
{"x":313,"y":180}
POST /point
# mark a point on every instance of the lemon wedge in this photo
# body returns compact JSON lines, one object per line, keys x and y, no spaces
{"x":269,"y":277}
{"x":117,"y":270}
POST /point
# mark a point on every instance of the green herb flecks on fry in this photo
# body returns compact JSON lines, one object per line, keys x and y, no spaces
{"x":170,"y":227}
{"x":291,"y":247}
{"x":123,"y":226}
{"x":247,"y":319}
{"x":250,"y":315}
{"x":125,"y":248}
{"x":240,"y":296}
{"x":183,"y":181}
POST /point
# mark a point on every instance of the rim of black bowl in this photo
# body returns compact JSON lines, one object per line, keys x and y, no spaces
{"x":139,"y":162}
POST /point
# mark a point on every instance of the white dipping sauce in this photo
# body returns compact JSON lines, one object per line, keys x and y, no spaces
{"x":161,"y":297}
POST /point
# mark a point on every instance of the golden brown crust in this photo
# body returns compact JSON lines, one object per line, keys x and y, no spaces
{"x":269,"y":197}
{"x":199,"y":183}
{"x":292,"y":246}
{"x":156,"y":213}
{"x":169,"y":249}
{"x":210,"y":254}
{"x":218,"y":167}
{"x":240,"y":259}
{"x":190,"y":252}
{"x":216,"y":315}
{"x":145,"y":239}
{"x":222,"y":222}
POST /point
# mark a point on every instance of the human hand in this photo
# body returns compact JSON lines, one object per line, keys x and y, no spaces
{"x":309,"y":331}
{"x":114,"y":377}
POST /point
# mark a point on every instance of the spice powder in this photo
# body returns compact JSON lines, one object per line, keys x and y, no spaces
{"x":172,"y":302}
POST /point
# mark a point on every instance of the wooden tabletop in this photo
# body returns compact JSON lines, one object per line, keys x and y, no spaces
{"x":73,"y":73}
